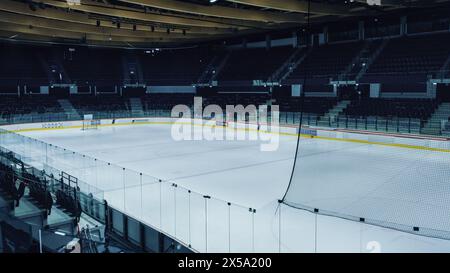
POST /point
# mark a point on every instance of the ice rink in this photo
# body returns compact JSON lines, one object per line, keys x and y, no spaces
{"x":240,"y":173}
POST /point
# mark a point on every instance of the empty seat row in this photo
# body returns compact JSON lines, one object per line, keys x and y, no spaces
{"x":406,"y":108}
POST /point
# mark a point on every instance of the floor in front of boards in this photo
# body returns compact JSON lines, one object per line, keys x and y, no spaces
{"x":233,"y":171}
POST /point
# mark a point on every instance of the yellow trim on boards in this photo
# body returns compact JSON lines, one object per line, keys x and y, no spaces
{"x":397,"y":145}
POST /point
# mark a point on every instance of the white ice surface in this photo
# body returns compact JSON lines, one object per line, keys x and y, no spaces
{"x":235,"y":171}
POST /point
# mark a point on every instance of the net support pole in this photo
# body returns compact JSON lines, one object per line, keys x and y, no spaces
{"x":160,"y":204}
{"x":140,"y":182}
{"x":189,"y":216}
{"x":40,"y":241}
{"x":280,"y":204}
{"x":316,"y":211}
{"x":360,"y":236}
{"x":229,"y":227}
{"x":124,"y":189}
{"x":361,"y":222}
{"x":175,"y":209}
{"x":206,"y":197}
{"x":253,"y":211}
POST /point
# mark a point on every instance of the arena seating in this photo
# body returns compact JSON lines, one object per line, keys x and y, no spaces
{"x":368,"y":51}
{"x":314,"y":105}
{"x":405,"y":108}
{"x":254,"y":64}
{"x":237,"y":99}
{"x":20,"y":65}
{"x":66,"y":199}
{"x":29,"y":196}
{"x":38,"y":191}
{"x":174,"y":66}
{"x":165,"y":101}
{"x":410,"y":58}
{"x":7,"y":181}
{"x":101,"y":103}
{"x":327,"y":61}
{"x":403,"y":66}
{"x":28,"y":105}
{"x":93,"y":65}
{"x":117,"y":106}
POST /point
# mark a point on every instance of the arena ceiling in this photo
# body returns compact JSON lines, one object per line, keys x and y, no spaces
{"x":154,"y":22}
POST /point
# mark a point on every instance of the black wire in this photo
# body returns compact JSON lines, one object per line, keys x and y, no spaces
{"x":302,"y":97}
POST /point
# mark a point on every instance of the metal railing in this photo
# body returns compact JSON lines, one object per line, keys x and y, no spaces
{"x":369,"y":123}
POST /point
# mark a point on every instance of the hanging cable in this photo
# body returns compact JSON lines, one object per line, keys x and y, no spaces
{"x":302,"y":95}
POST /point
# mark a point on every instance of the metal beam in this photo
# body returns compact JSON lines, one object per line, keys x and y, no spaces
{"x":220,"y":11}
{"x":385,"y":2}
{"x":297,"y":6}
{"x":35,"y":38}
{"x":52,"y":33}
{"x":239,"y":23}
{"x":26,"y":20}
{"x":77,"y":17}
{"x":119,"y":12}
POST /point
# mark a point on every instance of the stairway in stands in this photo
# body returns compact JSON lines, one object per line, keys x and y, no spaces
{"x":444,"y":72}
{"x":137,"y":110}
{"x":221,"y":62}
{"x":333,"y":113}
{"x":54,"y":68}
{"x":368,"y":60}
{"x":290,"y":65}
{"x":131,"y":69}
{"x":357,"y":60}
{"x":440,"y":117}
{"x":210,"y":70}
{"x":69,"y":109}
